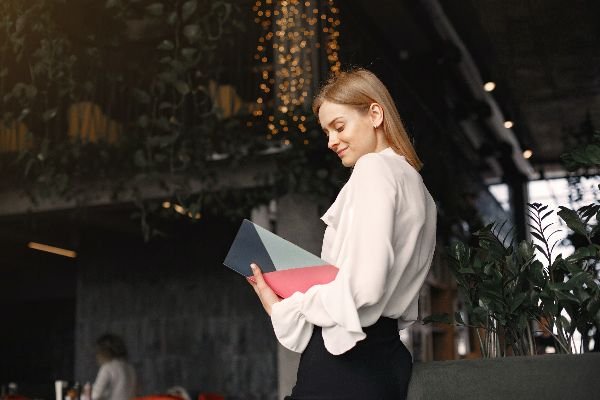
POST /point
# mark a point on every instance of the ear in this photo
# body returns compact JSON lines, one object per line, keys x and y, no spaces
{"x":376,"y":114}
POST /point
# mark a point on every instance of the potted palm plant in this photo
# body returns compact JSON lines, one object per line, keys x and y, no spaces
{"x":515,"y":291}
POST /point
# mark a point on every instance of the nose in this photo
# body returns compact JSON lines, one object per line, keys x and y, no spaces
{"x":332,"y":141}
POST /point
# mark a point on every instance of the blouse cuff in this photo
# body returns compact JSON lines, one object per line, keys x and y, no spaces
{"x":291,"y":327}
{"x":338,"y":340}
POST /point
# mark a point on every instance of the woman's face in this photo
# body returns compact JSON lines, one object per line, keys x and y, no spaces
{"x":351,"y":133}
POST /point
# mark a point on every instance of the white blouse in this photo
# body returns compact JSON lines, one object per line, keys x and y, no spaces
{"x":381,"y":233}
{"x":116,"y":380}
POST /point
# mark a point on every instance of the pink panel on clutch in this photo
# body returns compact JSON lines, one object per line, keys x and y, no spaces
{"x":288,"y":281}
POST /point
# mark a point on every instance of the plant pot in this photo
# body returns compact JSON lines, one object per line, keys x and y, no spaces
{"x":556,"y":376}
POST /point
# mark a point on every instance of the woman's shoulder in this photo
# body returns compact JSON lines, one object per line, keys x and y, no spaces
{"x":117,"y":364}
{"x":385,"y":164}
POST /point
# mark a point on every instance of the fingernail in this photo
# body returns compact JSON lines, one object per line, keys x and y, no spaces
{"x":253,"y":266}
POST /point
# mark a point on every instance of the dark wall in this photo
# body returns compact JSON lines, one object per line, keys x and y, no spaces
{"x":36,"y":344}
{"x":186,"y":319}
{"x":37,"y":311}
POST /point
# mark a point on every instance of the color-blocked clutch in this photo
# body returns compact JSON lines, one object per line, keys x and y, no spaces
{"x":286,"y":267}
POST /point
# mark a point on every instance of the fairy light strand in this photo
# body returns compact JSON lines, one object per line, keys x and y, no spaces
{"x":292,"y":33}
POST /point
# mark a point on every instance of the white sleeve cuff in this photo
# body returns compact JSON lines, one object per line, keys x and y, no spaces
{"x":338,"y":340}
{"x":291,"y":327}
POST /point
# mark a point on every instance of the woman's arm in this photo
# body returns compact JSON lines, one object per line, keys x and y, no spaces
{"x":101,"y":384}
{"x":364,"y":259}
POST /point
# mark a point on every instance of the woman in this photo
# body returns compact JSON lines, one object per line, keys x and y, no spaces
{"x":380,"y":233}
{"x":116,"y":378}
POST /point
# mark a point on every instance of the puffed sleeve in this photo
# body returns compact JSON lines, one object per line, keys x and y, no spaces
{"x":365,"y":256}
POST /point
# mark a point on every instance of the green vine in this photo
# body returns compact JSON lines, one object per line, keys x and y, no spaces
{"x":147,"y":66}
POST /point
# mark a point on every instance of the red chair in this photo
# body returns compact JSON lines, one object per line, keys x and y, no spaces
{"x":210,"y":396}
{"x":15,"y":397}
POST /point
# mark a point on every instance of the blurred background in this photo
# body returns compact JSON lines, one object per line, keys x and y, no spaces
{"x":137,"y":134}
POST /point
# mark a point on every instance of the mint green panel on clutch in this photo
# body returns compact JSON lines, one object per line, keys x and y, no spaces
{"x":284,"y":254}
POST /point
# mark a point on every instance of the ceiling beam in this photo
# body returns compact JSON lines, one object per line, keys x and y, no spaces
{"x":472,"y":77}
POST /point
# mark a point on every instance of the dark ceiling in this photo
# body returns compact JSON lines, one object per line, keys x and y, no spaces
{"x":544,"y":56}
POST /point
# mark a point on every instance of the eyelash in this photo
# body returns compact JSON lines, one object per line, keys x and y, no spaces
{"x":340,"y":129}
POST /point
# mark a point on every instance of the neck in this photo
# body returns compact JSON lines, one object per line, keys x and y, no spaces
{"x":382,"y":143}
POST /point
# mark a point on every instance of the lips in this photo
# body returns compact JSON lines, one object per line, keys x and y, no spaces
{"x":340,"y":152}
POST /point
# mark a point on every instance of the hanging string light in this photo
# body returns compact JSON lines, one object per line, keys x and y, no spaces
{"x":288,"y":53}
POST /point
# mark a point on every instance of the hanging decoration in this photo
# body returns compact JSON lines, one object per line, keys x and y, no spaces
{"x":290,"y":60}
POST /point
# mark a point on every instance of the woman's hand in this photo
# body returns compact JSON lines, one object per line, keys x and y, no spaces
{"x":266,"y":295}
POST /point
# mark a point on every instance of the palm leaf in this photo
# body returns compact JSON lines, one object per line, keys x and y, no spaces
{"x":547,"y":226}
{"x":539,"y":237}
{"x":542,"y":250}
{"x":558,"y":230}
{"x":547,"y":214}
{"x":506,"y":236}
{"x":535,"y":229}
{"x":534,"y":217}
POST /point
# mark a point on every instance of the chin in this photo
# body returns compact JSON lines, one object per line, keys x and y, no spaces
{"x":348,"y":163}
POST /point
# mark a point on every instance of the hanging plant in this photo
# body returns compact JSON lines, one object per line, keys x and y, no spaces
{"x":125,"y":104}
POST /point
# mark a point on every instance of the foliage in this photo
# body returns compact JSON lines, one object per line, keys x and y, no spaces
{"x":508,"y":291}
{"x":506,"y":288}
{"x":497,"y":280}
{"x":148,"y":65}
{"x":154,"y":85}
{"x":584,"y":145}
{"x":583,"y":156}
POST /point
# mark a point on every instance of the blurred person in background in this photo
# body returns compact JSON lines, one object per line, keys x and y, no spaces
{"x":116,"y":379}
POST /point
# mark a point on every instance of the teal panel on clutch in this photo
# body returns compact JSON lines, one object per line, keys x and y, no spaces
{"x":284,"y":254}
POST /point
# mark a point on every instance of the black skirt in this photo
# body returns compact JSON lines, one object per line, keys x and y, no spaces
{"x":377,"y":368}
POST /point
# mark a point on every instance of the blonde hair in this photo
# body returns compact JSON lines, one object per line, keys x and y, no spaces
{"x":359,"y":88}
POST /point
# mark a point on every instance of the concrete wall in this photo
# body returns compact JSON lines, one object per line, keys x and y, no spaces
{"x":297,"y":221}
{"x":186,"y":319}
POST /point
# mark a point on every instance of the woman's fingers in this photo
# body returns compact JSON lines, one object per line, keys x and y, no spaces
{"x":257,"y":275}
{"x":266,"y":295}
{"x":260,"y":281}
{"x":252,"y":283}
